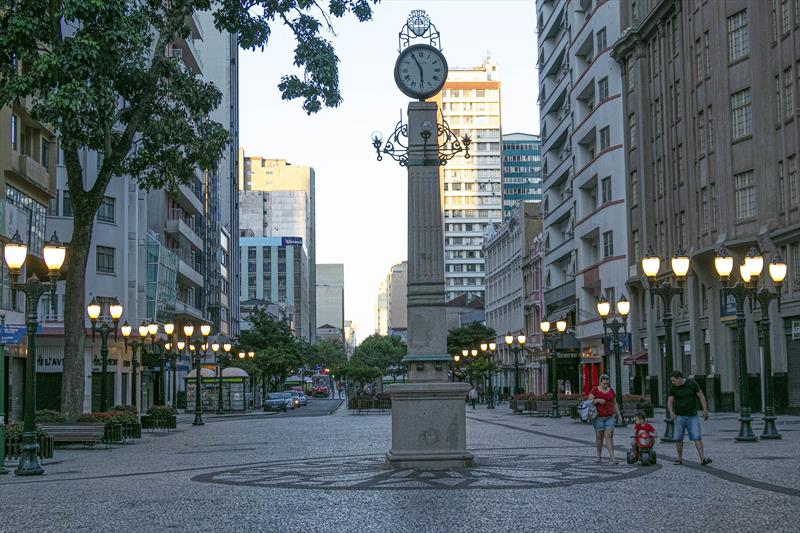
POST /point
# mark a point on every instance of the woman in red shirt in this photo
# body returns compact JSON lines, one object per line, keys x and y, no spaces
{"x":604,"y":399}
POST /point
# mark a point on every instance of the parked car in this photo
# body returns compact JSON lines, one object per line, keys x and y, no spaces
{"x":295,"y":395}
{"x":277,"y":401}
{"x":303,"y":399}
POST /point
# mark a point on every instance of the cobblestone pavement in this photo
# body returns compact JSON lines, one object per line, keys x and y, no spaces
{"x":265,"y":472}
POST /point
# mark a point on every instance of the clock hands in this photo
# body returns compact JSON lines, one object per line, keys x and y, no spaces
{"x":421,"y":72}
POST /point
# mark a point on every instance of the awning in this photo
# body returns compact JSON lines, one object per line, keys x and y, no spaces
{"x":559,"y":313}
{"x":638,"y":358}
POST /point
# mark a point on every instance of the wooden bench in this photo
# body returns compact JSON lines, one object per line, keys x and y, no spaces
{"x":87,"y":434}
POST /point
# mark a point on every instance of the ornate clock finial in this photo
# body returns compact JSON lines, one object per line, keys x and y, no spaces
{"x":418,"y":25}
{"x":418,"y":22}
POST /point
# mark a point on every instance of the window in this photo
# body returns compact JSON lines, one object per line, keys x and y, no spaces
{"x":778,"y":101}
{"x":610,"y":295}
{"x":66,"y":210}
{"x":632,"y":130}
{"x":14,"y":132}
{"x":700,"y":63}
{"x":745,"y":195}
{"x":608,"y":244}
{"x":741,"y":114}
{"x":788,"y":92}
{"x":701,"y":134}
{"x":602,"y":89}
{"x":605,"y":138}
{"x":710,"y":129}
{"x":707,"y":52}
{"x":605,"y":188}
{"x":105,"y":260}
{"x":774,"y":20}
{"x":46,"y":154}
{"x":106,"y":211}
{"x":786,"y":23}
{"x":738,"y":40}
{"x":794,"y":191}
{"x":630,"y":73}
{"x":713,"y":194}
{"x":602,"y":42}
{"x":705,"y":209}
{"x":52,"y":206}
{"x":634,"y":188}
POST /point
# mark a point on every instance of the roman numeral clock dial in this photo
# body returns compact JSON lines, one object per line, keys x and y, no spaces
{"x":420,"y":71}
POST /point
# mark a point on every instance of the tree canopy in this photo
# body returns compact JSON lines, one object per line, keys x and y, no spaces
{"x":384,"y":352}
{"x":469,"y":337}
{"x":278,"y":353}
{"x":103,"y":75}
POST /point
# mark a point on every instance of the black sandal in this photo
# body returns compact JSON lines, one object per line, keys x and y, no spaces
{"x":678,"y":462}
{"x":706,"y":461}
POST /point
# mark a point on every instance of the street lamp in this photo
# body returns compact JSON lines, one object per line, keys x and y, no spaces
{"x":623,"y":308}
{"x":456,"y":359}
{"x":488,"y":349}
{"x":134,"y":345}
{"x":747,"y":287}
{"x":215,"y":346}
{"x":188,"y":330}
{"x":515,"y":349}
{"x":172,"y":353}
{"x":651,"y":264}
{"x":93,"y":309}
{"x":15,"y":254}
{"x":554,"y":338}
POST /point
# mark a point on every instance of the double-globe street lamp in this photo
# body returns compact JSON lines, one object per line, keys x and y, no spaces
{"x":222,"y":357}
{"x":553,"y":338}
{"x":104,"y":328}
{"x":488,"y":349}
{"x":651,"y":264}
{"x":747,"y":287}
{"x":515,"y":348}
{"x":134,"y":345}
{"x":15,"y":254}
{"x":205,"y":331}
{"x":614,"y":326}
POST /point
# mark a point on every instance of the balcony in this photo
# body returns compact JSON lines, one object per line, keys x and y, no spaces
{"x":189,"y":273}
{"x":557,"y":295}
{"x":33,"y":171}
{"x":176,"y":223}
{"x":190,"y":198}
{"x":553,"y":25}
{"x":555,"y":58}
{"x":184,"y":309}
{"x":555,"y":98}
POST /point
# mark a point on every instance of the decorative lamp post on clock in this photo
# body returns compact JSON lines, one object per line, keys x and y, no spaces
{"x":428,"y":412}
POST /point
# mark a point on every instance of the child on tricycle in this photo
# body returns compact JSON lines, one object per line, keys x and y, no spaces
{"x":642,"y":441}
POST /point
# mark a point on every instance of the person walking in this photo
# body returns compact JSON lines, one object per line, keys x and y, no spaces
{"x":473,"y":396}
{"x":604,"y":399}
{"x":682,"y":401}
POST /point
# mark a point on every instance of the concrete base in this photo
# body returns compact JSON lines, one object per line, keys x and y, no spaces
{"x":429,"y":429}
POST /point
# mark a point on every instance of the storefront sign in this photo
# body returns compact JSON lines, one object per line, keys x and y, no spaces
{"x":13,"y":333}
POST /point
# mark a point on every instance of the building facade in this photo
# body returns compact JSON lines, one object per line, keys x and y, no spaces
{"x":712,"y":159}
{"x":382,"y":310}
{"x":330,"y":297}
{"x":277,"y":199}
{"x":397,"y":300}
{"x":583,"y":166}
{"x":533,"y":305}
{"x":506,"y":248}
{"x":522,"y":171}
{"x":470,"y":101}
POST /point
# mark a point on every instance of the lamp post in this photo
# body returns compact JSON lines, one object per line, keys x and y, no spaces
{"x":554,"y":338}
{"x":651,"y":264}
{"x":15,"y":254}
{"x":169,"y":348}
{"x":623,"y":308}
{"x":93,"y":309}
{"x":214,"y":349}
{"x":226,"y":348}
{"x":179,"y":353}
{"x":2,"y":395}
{"x":746,"y":288}
{"x":456,"y":359}
{"x":134,"y":345}
{"x":188,"y":330}
{"x":515,"y":349}
{"x":488,"y":349}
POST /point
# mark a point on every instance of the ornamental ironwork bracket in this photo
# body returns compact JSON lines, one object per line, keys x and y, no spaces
{"x":448,"y":145}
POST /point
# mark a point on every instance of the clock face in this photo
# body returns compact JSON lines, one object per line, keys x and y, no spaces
{"x":420,"y":71}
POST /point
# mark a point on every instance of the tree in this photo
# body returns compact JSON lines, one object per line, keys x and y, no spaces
{"x":98,"y":72}
{"x":381,"y":351}
{"x":469,"y":337}
{"x":278,"y":353}
{"x":359,"y":374}
{"x":326,"y":353}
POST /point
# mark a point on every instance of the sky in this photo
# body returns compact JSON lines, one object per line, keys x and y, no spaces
{"x":361,"y":204}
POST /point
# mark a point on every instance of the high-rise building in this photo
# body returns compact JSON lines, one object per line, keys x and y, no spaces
{"x":276,"y":199}
{"x":349,"y":337}
{"x":711,"y":107}
{"x":522,"y":171}
{"x":583,"y":169}
{"x":163,"y":257}
{"x":330,"y":296}
{"x":382,"y":311}
{"x":397,"y":300}
{"x":470,"y":102}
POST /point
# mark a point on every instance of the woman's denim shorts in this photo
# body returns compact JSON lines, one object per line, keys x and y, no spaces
{"x":605,"y":422}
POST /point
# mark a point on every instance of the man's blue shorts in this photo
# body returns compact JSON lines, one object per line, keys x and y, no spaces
{"x":690,"y":424}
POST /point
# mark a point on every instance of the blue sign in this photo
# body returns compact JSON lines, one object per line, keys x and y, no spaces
{"x":727,"y":305}
{"x":13,"y":333}
{"x":291,"y":241}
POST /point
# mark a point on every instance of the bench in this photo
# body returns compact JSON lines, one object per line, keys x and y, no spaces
{"x":87,"y":434}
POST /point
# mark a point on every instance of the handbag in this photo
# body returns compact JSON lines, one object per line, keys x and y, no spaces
{"x":592,"y":411}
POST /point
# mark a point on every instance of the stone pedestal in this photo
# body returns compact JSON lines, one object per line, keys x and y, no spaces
{"x":429,"y":426}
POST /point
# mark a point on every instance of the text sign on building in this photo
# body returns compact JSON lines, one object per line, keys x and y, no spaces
{"x":13,"y":333}
{"x":291,"y":241}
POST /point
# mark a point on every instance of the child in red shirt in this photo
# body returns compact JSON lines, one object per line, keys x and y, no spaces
{"x":641,"y":424}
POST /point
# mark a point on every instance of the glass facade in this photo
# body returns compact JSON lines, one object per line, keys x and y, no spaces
{"x":162,"y":271}
{"x":522,"y":171}
{"x":37,"y":214}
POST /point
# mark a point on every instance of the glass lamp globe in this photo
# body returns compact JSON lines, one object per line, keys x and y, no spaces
{"x":214,"y":347}
{"x":623,"y":306}
{"x":253,"y":354}
{"x":492,"y":346}
{"x":152,"y":329}
{"x":181,"y":345}
{"x":54,"y":253}
{"x":723,"y":263}
{"x":456,"y":358}
{"x":126,"y":329}
{"x":521,"y":338}
{"x":205,"y":330}
{"x":15,"y":252}
{"x":544,"y":326}
{"x":603,"y":307}
{"x":465,"y":352}
{"x":484,"y":346}
{"x":473,"y":352}
{"x":241,"y":355}
{"x":116,"y":310}
{"x":680,"y":263}
{"x":227,"y":347}
{"x":188,"y":329}
{"x":651,"y":264}
{"x":754,"y":262}
{"x":169,"y":328}
{"x":93,"y":309}
{"x":509,"y":338}
{"x":744,"y":272}
{"x":561,"y":326}
{"x":777,"y":269}
{"x":143,"y":330}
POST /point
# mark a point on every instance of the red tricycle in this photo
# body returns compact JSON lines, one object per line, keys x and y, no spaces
{"x":642,"y":448}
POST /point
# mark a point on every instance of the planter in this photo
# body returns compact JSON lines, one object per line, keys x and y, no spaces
{"x":131,"y":430}
{"x":158,"y":422}
{"x":113,"y":432}
{"x":13,"y":447}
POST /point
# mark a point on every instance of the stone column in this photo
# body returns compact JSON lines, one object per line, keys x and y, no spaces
{"x":428,"y":413}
